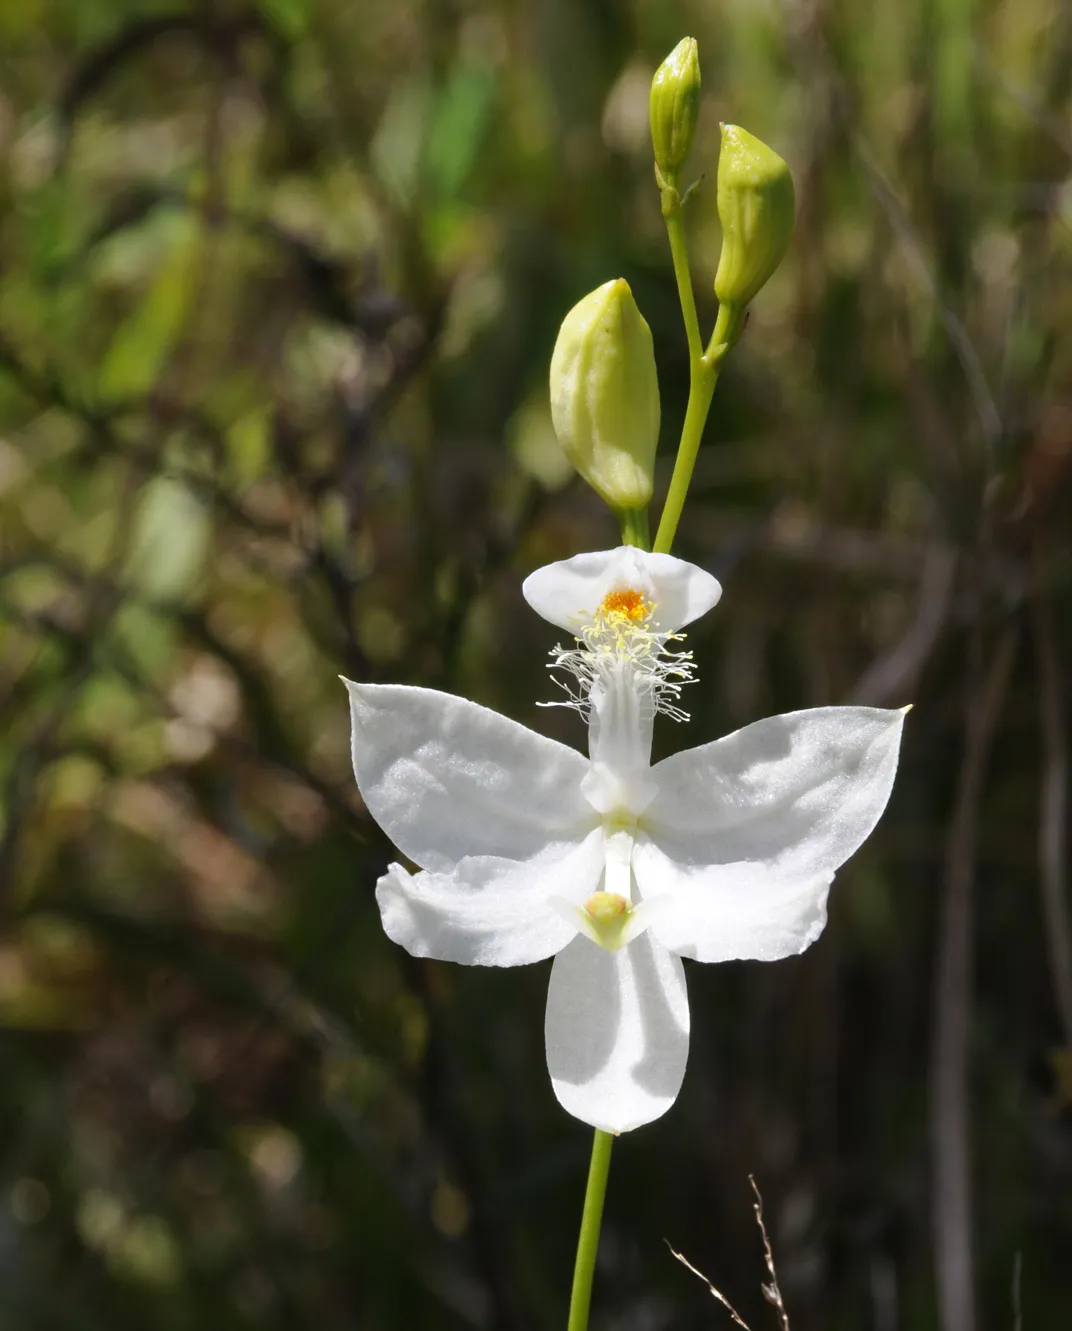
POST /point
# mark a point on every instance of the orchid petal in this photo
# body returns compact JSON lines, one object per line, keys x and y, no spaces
{"x":490,"y":911}
{"x":446,"y":778}
{"x":617,"y":1032}
{"x":729,"y":912}
{"x":745,"y":834}
{"x":569,"y":592}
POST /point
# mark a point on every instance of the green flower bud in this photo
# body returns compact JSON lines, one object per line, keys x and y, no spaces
{"x":675,"y":106}
{"x":756,"y":206}
{"x":605,"y":395}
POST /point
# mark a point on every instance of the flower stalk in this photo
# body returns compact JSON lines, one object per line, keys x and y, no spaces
{"x":588,"y":1239}
{"x":704,"y":368}
{"x":635,"y":528}
{"x":703,"y":365}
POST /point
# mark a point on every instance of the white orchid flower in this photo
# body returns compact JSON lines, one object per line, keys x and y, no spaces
{"x":616,"y":868}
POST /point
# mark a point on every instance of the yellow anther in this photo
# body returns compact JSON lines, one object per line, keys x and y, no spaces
{"x":623,"y":631}
{"x":628,"y":604}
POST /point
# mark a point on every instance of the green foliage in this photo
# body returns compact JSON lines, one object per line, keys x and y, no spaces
{"x":279,"y":287}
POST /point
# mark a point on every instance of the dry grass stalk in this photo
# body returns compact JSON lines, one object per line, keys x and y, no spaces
{"x":716,"y":1292}
{"x":771,"y":1292}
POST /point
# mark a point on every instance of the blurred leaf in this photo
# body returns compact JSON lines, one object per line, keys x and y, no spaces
{"x":51,"y":217}
{"x":276,"y":310}
{"x":398,"y":142}
{"x":534,"y":444}
{"x":23,"y":17}
{"x":290,"y":17}
{"x":248,"y":444}
{"x":458,"y":127}
{"x":170,"y":540}
{"x":140,"y":348}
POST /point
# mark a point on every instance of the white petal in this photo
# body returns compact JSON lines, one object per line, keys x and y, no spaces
{"x":569,"y":592}
{"x":446,"y":778}
{"x":745,"y":834}
{"x":490,"y":911}
{"x":729,"y":912}
{"x":617,"y":1032}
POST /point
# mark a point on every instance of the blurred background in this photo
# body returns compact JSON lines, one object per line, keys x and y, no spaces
{"x":279,"y":283}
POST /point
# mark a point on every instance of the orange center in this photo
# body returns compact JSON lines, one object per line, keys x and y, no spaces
{"x":629,"y":603}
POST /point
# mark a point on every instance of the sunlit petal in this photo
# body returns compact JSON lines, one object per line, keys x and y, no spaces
{"x":729,"y":912}
{"x":569,"y":593}
{"x":490,"y":911}
{"x":746,"y":833}
{"x":446,"y":778}
{"x":617,"y":1032}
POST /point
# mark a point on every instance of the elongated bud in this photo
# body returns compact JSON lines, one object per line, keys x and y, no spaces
{"x":675,"y":106}
{"x":756,"y":206}
{"x":605,"y":395}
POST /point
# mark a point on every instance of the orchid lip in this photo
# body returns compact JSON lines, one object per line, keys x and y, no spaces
{"x":611,"y":927}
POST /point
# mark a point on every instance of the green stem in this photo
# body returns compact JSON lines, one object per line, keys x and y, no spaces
{"x":703,"y":376}
{"x":703,"y":365}
{"x":588,"y":1241}
{"x":635,"y":528}
{"x":675,"y":230}
{"x":701,"y":391}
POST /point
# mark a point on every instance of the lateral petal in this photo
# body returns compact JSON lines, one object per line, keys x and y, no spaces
{"x":570,"y":591}
{"x":490,"y":911}
{"x":728,"y":912}
{"x":745,"y":834}
{"x":446,"y":778}
{"x":617,"y":1032}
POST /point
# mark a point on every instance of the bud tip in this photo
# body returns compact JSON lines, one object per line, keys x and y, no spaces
{"x":675,"y":106}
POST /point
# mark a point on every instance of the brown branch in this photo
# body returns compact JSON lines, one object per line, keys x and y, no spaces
{"x":214,"y":34}
{"x":1017,"y":1301}
{"x":893,"y":675}
{"x":803,"y":536}
{"x":104,"y":600}
{"x":1053,"y":810}
{"x":953,"y":998}
{"x":928,"y":282}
